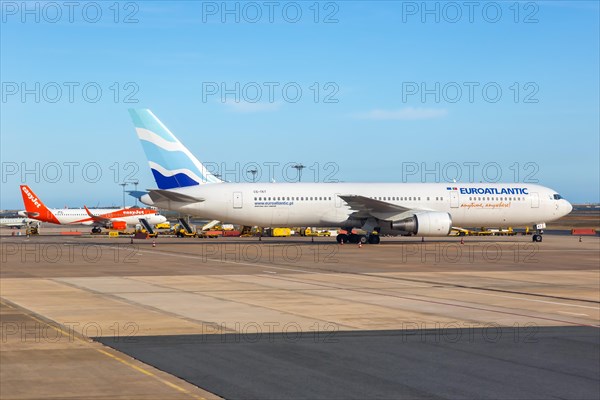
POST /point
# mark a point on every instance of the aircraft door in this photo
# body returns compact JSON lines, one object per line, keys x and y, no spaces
{"x":535,"y":200}
{"x":338,"y":200}
{"x":237,"y":200}
{"x":454,"y":199}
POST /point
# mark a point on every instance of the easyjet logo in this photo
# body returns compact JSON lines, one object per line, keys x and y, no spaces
{"x":133,"y":212}
{"x":32,"y":198}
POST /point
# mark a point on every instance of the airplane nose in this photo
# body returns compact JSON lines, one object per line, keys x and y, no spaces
{"x":569,"y":207}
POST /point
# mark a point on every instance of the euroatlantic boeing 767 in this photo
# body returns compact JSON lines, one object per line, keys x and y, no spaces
{"x":422,"y":209}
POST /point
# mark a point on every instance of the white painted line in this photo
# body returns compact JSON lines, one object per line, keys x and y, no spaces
{"x":520,"y":298}
{"x":573,"y":313}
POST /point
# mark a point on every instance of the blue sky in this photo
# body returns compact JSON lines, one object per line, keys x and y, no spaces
{"x":371,"y":62}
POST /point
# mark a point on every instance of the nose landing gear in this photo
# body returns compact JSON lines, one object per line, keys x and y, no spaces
{"x":539,"y":230}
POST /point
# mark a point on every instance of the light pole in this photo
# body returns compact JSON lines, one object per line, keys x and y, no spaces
{"x":253,"y":172}
{"x":299,"y":167}
{"x":135,"y":183}
{"x":123,"y":184}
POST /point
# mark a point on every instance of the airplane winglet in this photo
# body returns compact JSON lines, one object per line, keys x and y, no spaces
{"x":88,"y":212}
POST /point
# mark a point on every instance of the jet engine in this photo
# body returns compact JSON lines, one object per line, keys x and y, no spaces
{"x":118,"y":225}
{"x":430,"y":223}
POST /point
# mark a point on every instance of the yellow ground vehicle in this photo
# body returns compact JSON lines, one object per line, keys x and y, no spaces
{"x":32,"y":230}
{"x":180,"y":231}
{"x":281,"y":232}
{"x":163,"y":225}
{"x":310,"y":232}
{"x":482,"y":232}
{"x":153,"y":234}
{"x":248,"y":231}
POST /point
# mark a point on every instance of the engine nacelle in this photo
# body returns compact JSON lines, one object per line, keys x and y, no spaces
{"x":431,"y":223}
{"x":118,"y":225}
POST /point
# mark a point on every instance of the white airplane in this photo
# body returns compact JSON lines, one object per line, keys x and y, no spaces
{"x":114,"y":218}
{"x":422,"y":209}
{"x":16,"y":222}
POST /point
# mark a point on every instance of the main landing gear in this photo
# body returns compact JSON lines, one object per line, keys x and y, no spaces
{"x":355,"y":239}
{"x":96,"y":230}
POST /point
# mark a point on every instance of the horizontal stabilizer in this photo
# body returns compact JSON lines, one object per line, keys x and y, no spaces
{"x":158,"y":195}
{"x":136,"y":193}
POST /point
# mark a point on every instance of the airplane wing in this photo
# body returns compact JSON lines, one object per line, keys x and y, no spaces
{"x":160,"y":195}
{"x":98,"y":219}
{"x":366,"y":207}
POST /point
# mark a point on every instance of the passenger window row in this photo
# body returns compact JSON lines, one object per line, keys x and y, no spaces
{"x":496,"y":198}
{"x":299,"y":198}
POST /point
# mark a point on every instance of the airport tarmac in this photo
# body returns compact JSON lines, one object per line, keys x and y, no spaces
{"x":290,"y":318}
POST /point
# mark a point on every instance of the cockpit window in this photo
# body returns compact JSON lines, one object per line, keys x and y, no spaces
{"x":557,"y":197}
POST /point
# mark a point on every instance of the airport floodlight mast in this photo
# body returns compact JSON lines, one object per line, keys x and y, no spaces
{"x":135,"y":184}
{"x":253,"y":172}
{"x":123,"y":184}
{"x":299,"y":167}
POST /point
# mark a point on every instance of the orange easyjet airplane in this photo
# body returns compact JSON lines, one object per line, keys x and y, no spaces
{"x":115,"y":218}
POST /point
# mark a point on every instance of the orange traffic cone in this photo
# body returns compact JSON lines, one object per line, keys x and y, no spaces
{"x":359,"y":245}
{"x":462,"y":241}
{"x":153,"y":243}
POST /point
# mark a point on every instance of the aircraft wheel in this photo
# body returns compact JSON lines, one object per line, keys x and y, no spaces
{"x":374,"y":239}
{"x":354,"y":238}
{"x":342,"y":238}
{"x":363,"y":239}
{"x":537,"y":238}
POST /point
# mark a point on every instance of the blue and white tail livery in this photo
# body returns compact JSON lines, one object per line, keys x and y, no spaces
{"x":172,"y":164}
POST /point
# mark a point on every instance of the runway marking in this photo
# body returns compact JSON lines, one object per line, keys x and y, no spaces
{"x":114,"y":357}
{"x":573,"y":313}
{"x":348,"y":274}
{"x":270,"y":272}
{"x":445,"y":303}
{"x":7,"y":305}
{"x":381,"y":294}
{"x":150,"y":374}
{"x":520,"y":298}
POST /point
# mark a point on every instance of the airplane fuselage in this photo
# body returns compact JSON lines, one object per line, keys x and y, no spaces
{"x":320,"y":204}
{"x":78,"y":216}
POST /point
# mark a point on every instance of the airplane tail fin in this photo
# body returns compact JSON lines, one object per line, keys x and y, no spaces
{"x":35,"y":208}
{"x":172,"y":164}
